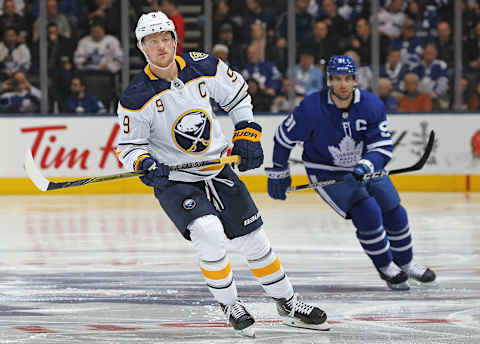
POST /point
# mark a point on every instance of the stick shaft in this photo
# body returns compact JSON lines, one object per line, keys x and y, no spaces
{"x":45,"y":185}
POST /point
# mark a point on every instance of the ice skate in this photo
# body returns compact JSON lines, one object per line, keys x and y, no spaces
{"x":419,"y":272}
{"x":397,"y":282}
{"x":239,"y":318}
{"x":300,"y":314}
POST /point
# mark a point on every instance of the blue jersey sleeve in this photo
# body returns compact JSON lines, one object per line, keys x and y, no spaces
{"x":378,"y":138}
{"x":293,"y":129}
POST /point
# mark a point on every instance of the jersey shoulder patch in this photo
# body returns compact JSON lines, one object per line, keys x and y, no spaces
{"x":199,"y":64}
{"x":197,"y":56}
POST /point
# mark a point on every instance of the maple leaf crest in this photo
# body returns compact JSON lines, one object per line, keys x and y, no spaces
{"x":347,"y":154}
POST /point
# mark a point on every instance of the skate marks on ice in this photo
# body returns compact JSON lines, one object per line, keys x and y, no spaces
{"x":72,"y":272}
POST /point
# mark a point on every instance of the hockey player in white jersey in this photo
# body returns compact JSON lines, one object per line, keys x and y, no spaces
{"x":166,"y":119}
{"x":345,"y":133}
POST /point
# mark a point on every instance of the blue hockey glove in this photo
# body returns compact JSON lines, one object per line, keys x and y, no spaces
{"x":158,"y":173}
{"x":278,"y":181}
{"x":246,"y":143}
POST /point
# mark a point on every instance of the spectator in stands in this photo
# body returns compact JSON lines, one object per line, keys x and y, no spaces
{"x":19,"y":6}
{"x":81,"y":102}
{"x":261,"y":101}
{"x":322,"y":44}
{"x":474,"y":103}
{"x":433,"y":75}
{"x":223,"y":16}
{"x":169,"y":7}
{"x":17,"y":95}
{"x":258,"y":37}
{"x":235,"y":50}
{"x":391,"y":19}
{"x":281,"y":102}
{"x":53,"y":16}
{"x":221,"y":52}
{"x":106,"y":12}
{"x":385,"y":94}
{"x":57,"y":46}
{"x":10,"y":18}
{"x":98,"y":51}
{"x":14,"y":56}
{"x":414,"y":100}
{"x":472,"y":52}
{"x":257,"y":12}
{"x":352,"y":9}
{"x":364,"y":72}
{"x":409,"y":44}
{"x":308,"y":78}
{"x":303,"y":23}
{"x":62,"y":83}
{"x":395,"y":70}
{"x":338,"y":28}
{"x":362,"y":39}
{"x":265,"y":72}
{"x":444,"y":44}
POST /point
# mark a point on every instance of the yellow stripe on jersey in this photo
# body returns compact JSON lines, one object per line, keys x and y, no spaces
{"x":218,"y":274}
{"x":248,"y":134}
{"x":181,"y":62}
{"x":267,"y":270}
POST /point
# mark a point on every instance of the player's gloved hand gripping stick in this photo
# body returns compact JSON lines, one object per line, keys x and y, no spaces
{"x":45,"y":185}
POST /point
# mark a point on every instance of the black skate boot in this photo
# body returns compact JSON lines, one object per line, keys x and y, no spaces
{"x":419,"y":272}
{"x":239,"y":318}
{"x":300,"y":314}
{"x":397,"y":282}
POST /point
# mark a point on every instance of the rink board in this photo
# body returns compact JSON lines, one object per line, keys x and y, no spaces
{"x":81,"y":146}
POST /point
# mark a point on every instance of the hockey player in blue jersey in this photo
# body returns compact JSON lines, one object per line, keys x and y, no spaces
{"x":345,"y":133}
{"x":166,"y":119}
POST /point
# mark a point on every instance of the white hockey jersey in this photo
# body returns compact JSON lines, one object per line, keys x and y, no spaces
{"x":174,"y":121}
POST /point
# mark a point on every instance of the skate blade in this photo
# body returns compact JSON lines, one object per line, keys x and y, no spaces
{"x":248,"y":332}
{"x":301,"y":324}
{"x":399,"y":286}
{"x":424,"y":285}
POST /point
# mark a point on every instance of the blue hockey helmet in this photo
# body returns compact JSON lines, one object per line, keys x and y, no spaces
{"x":341,"y":64}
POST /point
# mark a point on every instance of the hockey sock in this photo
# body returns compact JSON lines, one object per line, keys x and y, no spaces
{"x":367,"y":218}
{"x":399,"y":235}
{"x":208,"y":240}
{"x":264,"y":264}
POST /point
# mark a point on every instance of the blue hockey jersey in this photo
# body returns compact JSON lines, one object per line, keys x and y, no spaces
{"x":334,"y":139}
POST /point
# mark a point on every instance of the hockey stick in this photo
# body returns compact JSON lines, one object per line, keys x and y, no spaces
{"x":395,"y":144}
{"x":44,"y":184}
{"x":415,"y":167}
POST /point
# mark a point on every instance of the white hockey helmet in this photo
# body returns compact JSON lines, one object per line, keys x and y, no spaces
{"x":154,"y":22}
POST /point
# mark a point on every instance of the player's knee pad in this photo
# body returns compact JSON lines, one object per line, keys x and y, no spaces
{"x":366,"y":215}
{"x":395,"y":219}
{"x":253,"y":245}
{"x":208,"y":238}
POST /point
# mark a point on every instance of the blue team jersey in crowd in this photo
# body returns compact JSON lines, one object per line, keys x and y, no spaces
{"x":334,"y":139}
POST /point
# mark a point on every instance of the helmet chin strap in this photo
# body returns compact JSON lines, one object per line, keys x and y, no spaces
{"x":157,"y":66}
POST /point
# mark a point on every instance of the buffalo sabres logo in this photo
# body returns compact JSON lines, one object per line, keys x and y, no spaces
{"x":189,"y":204}
{"x":191,"y":131}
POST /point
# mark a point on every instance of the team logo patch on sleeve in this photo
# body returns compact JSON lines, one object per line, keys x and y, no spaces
{"x":197,"y":56}
{"x":189,"y":204}
{"x":191,"y":131}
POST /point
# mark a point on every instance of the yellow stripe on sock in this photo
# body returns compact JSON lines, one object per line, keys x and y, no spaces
{"x":267,"y":270}
{"x":217,"y":275}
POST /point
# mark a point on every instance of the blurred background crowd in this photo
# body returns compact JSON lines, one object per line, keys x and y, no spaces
{"x":85,"y":54}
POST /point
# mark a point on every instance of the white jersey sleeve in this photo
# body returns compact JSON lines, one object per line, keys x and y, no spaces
{"x":230,"y":91}
{"x":134,"y":133}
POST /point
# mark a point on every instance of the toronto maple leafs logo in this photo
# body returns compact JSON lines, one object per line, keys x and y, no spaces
{"x":347,"y":154}
{"x":191,"y":131}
